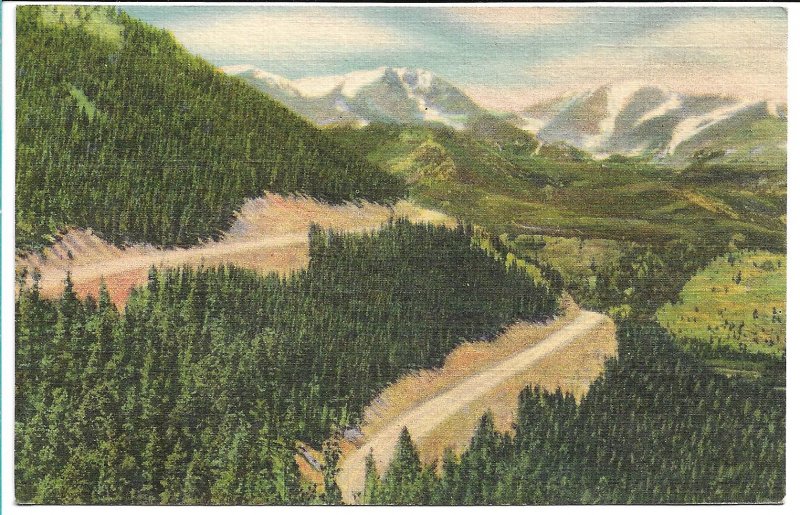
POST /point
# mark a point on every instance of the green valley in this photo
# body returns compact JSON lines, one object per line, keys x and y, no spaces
{"x":733,"y":309}
{"x":505,"y":185}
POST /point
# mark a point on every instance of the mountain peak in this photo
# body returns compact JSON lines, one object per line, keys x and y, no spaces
{"x":629,"y":118}
{"x":349,"y":83}
{"x":385,"y":94}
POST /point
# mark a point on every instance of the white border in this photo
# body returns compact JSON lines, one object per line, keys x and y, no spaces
{"x":793,"y":257}
{"x":7,"y":247}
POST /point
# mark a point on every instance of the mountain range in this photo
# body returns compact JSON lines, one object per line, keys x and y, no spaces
{"x":626,"y":119}
{"x":646,"y":120}
{"x":392,"y":95}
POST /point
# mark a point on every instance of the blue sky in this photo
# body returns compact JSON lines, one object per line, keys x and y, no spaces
{"x":504,"y":56}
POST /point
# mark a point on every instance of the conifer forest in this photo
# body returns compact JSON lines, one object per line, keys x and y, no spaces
{"x":455,"y":304}
{"x":144,"y":142}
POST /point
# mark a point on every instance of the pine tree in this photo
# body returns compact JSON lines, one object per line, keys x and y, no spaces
{"x":371,"y":493}
{"x":192,"y":392}
{"x":401,"y":479}
{"x":330,"y":469}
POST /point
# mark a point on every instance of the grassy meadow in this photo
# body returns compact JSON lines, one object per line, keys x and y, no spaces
{"x":738,"y":302}
{"x":577,"y":259}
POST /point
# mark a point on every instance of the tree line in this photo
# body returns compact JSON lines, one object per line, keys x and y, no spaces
{"x":144,"y":142}
{"x":645,"y":277}
{"x":657,"y":427}
{"x":196,"y":392}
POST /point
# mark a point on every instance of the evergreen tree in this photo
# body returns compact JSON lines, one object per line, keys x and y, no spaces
{"x":657,"y":427}
{"x":371,"y":493}
{"x":330,"y":469}
{"x":195,"y":391}
{"x":401,"y":483}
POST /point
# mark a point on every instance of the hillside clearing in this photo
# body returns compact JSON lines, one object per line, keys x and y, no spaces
{"x":738,"y":300}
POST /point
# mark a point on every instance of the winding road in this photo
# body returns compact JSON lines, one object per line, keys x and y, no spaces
{"x":425,"y":417}
{"x":270,"y":234}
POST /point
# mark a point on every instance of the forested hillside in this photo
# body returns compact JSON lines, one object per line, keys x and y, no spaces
{"x":197,"y":391}
{"x":660,"y":426}
{"x":657,"y":427}
{"x":122,"y":130}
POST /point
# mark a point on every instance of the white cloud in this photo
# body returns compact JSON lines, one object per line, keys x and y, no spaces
{"x":742,"y":57}
{"x":292,"y":33}
{"x":512,"y":20}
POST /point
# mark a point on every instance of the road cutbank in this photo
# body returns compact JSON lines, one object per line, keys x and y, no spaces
{"x":464,"y":398}
{"x":269,"y":234}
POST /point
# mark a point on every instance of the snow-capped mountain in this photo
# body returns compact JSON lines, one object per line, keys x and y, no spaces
{"x":399,"y":95}
{"x":629,"y":119}
{"x":633,"y":119}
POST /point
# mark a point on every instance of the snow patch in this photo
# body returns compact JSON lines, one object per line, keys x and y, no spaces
{"x":341,"y":106}
{"x":315,"y":87}
{"x":350,"y":83}
{"x":236,"y":69}
{"x":420,"y":79}
{"x":355,"y":81}
{"x":273,"y":79}
{"x":692,"y":126}
{"x":415,"y":81}
{"x":670,"y":104}
{"x":533,"y":125}
{"x":617,"y":98}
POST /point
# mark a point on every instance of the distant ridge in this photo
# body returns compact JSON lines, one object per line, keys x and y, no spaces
{"x":394,"y":95}
{"x":630,"y":119}
{"x":645,"y":120}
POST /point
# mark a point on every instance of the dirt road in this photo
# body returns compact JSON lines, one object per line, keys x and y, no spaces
{"x":269,"y":234}
{"x":130,"y":267}
{"x":425,"y":417}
